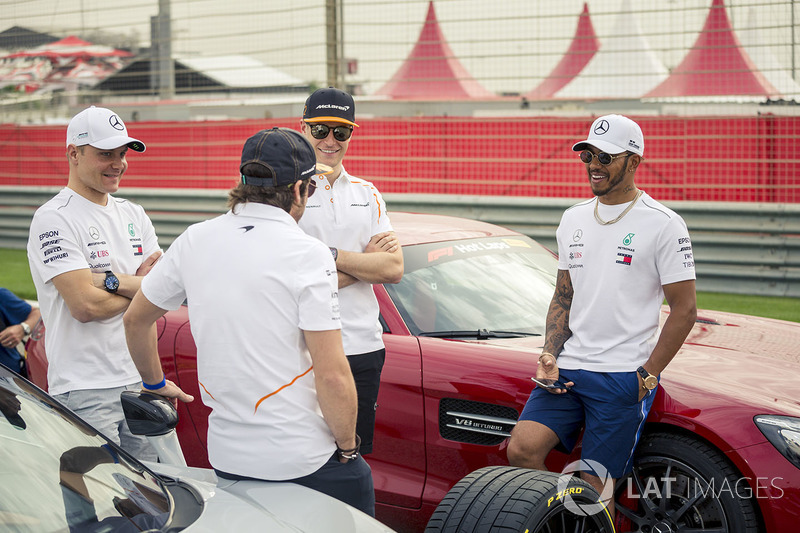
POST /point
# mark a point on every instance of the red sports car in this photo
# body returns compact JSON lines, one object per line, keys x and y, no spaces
{"x":463,"y":331}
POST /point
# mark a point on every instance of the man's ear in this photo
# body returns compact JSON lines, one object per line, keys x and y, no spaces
{"x":298,"y":197}
{"x":634,"y":162}
{"x":72,"y":153}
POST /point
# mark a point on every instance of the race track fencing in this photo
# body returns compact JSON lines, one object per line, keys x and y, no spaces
{"x":740,"y":248}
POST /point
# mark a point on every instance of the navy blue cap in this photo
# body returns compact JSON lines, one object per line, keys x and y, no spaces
{"x":285,"y":153}
{"x":330,"y":105}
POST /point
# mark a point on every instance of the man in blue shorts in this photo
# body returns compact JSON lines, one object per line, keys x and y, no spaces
{"x":619,"y":255}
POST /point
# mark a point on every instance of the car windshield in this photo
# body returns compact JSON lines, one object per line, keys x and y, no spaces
{"x":481,"y":288}
{"x":58,"y":474}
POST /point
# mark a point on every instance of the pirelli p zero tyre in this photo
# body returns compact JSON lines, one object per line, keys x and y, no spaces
{"x":680,"y":483}
{"x":506,"y":499}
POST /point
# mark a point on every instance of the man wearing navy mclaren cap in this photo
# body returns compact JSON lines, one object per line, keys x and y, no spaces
{"x":88,"y":251}
{"x":264,"y":306}
{"x":349,"y":215}
{"x":620,"y":255}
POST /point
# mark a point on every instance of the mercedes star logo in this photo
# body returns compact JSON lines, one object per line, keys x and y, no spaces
{"x":116,"y":123}
{"x":93,"y":233}
{"x":577,"y":235}
{"x":601,"y":128}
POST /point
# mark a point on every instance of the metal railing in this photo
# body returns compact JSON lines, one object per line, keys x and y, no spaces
{"x":741,"y":248}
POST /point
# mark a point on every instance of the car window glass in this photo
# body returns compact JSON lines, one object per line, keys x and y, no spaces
{"x":497,"y":284}
{"x":59,"y":475}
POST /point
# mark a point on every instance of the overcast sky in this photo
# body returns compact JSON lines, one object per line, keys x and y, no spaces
{"x":507,"y":44}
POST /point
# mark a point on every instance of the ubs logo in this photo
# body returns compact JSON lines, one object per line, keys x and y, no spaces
{"x":116,"y":123}
{"x":601,"y":128}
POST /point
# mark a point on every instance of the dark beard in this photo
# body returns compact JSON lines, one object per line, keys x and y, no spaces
{"x":612,"y":182}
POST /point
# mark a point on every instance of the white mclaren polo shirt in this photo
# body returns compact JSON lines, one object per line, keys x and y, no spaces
{"x":254,"y":281}
{"x":346,"y":216}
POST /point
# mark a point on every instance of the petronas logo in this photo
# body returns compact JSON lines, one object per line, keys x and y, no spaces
{"x":628,"y":239}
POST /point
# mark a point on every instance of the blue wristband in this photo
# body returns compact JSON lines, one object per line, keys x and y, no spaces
{"x":111,"y":451}
{"x":162,"y":383}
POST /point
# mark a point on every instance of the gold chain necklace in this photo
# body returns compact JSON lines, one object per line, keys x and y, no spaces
{"x":607,"y":222}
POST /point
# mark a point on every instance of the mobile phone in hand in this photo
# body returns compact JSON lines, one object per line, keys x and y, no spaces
{"x":549,"y":383}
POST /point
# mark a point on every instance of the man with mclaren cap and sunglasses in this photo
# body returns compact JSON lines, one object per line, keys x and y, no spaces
{"x":264,"y":311}
{"x":620,"y":255}
{"x":88,"y":251}
{"x":349,"y":215}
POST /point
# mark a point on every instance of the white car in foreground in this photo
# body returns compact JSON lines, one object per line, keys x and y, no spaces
{"x":58,"y":474}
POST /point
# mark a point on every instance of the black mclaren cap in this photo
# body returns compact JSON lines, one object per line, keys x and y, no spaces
{"x":330,"y":105}
{"x":285,"y":153}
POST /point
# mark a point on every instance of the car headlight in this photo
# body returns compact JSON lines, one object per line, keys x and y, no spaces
{"x":784,"y":433}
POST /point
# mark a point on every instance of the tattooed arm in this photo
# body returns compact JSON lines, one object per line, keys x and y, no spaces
{"x":558,"y":331}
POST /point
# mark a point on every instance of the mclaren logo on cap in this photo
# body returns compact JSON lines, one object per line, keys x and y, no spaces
{"x":115,"y":122}
{"x":601,"y":128}
{"x":334,"y":106}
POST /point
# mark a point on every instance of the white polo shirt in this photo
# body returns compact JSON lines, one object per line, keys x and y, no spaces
{"x":346,"y":216}
{"x":71,"y":233}
{"x":253,"y":281}
{"x":617,"y":273}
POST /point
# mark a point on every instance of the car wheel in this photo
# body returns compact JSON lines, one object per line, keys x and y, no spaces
{"x":683,"y":484}
{"x":505,"y":498}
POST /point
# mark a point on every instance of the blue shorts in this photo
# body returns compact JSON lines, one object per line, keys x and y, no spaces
{"x":607,"y":403}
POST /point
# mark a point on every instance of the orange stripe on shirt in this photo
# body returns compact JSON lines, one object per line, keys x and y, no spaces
{"x":205,"y":389}
{"x":375,"y":195}
{"x":379,"y":206}
{"x":283,"y":387}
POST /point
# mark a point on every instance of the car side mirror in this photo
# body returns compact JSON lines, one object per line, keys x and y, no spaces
{"x":148,"y":414}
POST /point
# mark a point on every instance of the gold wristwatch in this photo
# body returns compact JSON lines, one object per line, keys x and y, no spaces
{"x":650,"y":381}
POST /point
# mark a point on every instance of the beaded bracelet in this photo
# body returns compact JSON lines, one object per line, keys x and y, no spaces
{"x":351,"y":453}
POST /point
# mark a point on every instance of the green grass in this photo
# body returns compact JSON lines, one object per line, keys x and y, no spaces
{"x":15,"y":275}
{"x":766,"y":306}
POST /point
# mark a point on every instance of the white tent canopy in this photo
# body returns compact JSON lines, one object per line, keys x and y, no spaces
{"x":239,"y":71}
{"x":756,"y":47}
{"x":624,"y":67}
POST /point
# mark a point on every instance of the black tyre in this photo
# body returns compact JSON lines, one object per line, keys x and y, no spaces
{"x":683,"y":484}
{"x":505,"y":498}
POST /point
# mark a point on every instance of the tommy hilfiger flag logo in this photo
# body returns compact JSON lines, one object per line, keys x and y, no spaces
{"x":137,"y":249}
{"x":623,"y":259}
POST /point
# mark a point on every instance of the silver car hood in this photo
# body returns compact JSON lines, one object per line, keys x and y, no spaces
{"x":258,"y":506}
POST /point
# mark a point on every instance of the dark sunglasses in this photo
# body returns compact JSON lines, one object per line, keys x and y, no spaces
{"x":604,"y":158}
{"x":312,"y":186}
{"x":340,"y":133}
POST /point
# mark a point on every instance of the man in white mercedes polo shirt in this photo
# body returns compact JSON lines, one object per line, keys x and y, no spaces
{"x":88,"y":251}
